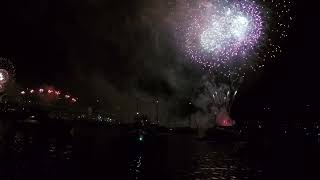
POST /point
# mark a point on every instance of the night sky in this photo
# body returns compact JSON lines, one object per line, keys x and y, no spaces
{"x":117,"y":50}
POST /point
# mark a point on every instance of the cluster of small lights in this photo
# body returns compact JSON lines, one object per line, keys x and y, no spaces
{"x":227,"y":35}
{"x":53,"y":92}
{"x":104,"y":119}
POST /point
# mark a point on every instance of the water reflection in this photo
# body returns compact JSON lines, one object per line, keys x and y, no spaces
{"x":17,"y":144}
{"x":59,"y":157}
{"x":135,"y":167}
{"x":31,"y":155}
{"x":52,"y":149}
{"x":67,"y":153}
{"x":219,"y":163}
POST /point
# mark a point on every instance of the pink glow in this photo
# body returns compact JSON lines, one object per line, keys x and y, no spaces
{"x":223,"y":119}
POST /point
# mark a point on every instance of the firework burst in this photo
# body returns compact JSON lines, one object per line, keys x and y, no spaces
{"x":4,"y":76}
{"x":226,"y":30}
{"x":7,"y":73}
{"x":231,"y":35}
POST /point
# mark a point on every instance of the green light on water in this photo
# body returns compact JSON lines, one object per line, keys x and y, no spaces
{"x":141,"y":138}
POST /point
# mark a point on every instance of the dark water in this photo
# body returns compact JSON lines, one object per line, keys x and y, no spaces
{"x":35,"y":151}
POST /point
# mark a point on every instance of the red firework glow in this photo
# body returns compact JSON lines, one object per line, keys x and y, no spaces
{"x":224,"y":120}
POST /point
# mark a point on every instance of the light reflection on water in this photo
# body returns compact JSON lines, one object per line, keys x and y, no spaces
{"x":214,"y":165}
{"x":211,"y":163}
{"x":17,"y":144}
{"x":135,"y":167}
{"x":208,"y":162}
{"x":54,"y":151}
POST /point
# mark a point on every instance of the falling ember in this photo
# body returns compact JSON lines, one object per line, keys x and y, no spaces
{"x":67,"y":96}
